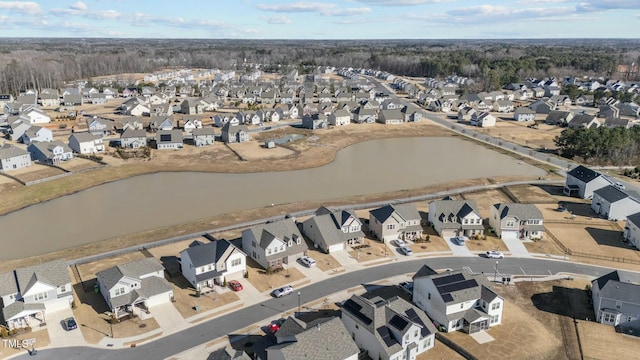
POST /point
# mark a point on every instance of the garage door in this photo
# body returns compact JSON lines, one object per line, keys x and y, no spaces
{"x":159,"y":299}
{"x":509,"y":235}
{"x":57,"y":305}
{"x":336,"y":247}
{"x":448,"y":233}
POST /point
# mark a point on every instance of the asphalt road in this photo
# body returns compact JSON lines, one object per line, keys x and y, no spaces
{"x":273,"y":308}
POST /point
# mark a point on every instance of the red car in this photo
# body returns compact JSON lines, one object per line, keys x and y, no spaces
{"x":235,"y":285}
{"x":273,"y":328}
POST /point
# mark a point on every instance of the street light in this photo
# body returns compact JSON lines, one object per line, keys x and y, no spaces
{"x":495,"y":274}
{"x":298,"y":303}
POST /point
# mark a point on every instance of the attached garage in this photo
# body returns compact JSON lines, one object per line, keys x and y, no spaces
{"x":448,"y":234}
{"x":59,"y":304}
{"x":336,"y":247}
{"x":509,"y":235}
{"x":159,"y":299}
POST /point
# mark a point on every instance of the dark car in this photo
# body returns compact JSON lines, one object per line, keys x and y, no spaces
{"x":70,"y":324}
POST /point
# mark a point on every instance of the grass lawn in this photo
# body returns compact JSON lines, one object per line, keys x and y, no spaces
{"x":41,"y":337}
{"x":490,"y":243}
{"x":264,"y":282}
{"x":186,"y":301}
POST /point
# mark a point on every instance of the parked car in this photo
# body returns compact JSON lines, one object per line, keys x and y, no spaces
{"x":273,"y":328}
{"x":283,"y":291}
{"x":493,"y":254}
{"x":407,"y":286}
{"x":235,"y":285}
{"x":404,"y":250}
{"x":619,"y":185}
{"x":70,"y":324}
{"x":460,"y":240}
{"x":307,"y":261}
{"x":399,"y":243}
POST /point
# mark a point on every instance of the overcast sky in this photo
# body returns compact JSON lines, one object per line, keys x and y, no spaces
{"x":336,"y":19}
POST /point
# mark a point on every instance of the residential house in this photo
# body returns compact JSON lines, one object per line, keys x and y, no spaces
{"x":503,"y":106}
{"x":619,"y":122}
{"x":395,"y":222}
{"x":169,"y":139}
{"x":451,"y":218}
{"x":161,"y":110}
{"x":542,"y":106}
{"x":4,"y":99}
{"x":439,"y":106}
{"x":36,"y":134}
{"x":31,"y":293}
{"x":582,"y":182}
{"x":97,"y":99}
{"x":390,"y":104}
{"x":162,"y":124}
{"x":584,"y":121}
{"x":86,"y":143}
{"x":29,"y":99}
{"x":411,"y":115}
{"x":390,"y":117}
{"x":465,"y":113}
{"x":339,"y":118}
{"x":98,"y":126}
{"x":274,"y":244}
{"x":52,"y":152}
{"x":615,"y":204}
{"x":616,"y":300}
{"x":315,"y":121}
{"x":17,"y":128}
{"x":457,"y":300}
{"x":192,"y":107}
{"x":365,"y":116}
{"x":133,"y":139}
{"x":516,"y":221}
{"x":585,"y":100}
{"x":388,"y":329}
{"x":132,"y":123}
{"x":203,"y":136}
{"x":524,"y":114}
{"x":136,"y":108}
{"x":629,"y":109}
{"x":482,"y":119}
{"x":13,"y":158}
{"x":559,"y":118}
{"x":213,"y":263}
{"x":36,"y":116}
{"x":50,"y":99}
{"x":235,"y":133}
{"x":297,"y":339}
{"x":632,"y":230}
{"x":110,"y":93}
{"x":135,"y":287}
{"x":190,"y":123}
{"x":220,"y":120}
{"x":333,"y":231}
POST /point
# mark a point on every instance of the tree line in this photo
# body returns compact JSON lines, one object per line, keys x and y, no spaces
{"x":602,"y":146}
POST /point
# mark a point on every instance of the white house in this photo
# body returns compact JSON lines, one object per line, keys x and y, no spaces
{"x":206,"y":265}
{"x":52,"y":152}
{"x":134,"y":287}
{"x":516,"y":221}
{"x":392,"y":329}
{"x":482,"y":119}
{"x":616,"y":300}
{"x":274,"y":244}
{"x":457,"y":300}
{"x":339,"y":118}
{"x":395,"y":222}
{"x":582,"y":182}
{"x":86,"y":143}
{"x":451,"y":218}
{"x":36,"y":116}
{"x":203,"y":136}
{"x":524,"y":114}
{"x":37,"y":134}
{"x":614,"y":204}
{"x":333,"y":230}
{"x":30,"y":293}
{"x":13,"y":158}
{"x":632,"y":230}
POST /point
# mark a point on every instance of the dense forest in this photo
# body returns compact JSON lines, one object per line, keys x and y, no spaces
{"x":603,"y":145}
{"x":48,"y":63}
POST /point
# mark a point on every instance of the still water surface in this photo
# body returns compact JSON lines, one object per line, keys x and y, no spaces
{"x":158,"y":200}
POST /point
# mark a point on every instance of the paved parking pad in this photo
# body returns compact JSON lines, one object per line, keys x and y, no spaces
{"x":58,"y":335}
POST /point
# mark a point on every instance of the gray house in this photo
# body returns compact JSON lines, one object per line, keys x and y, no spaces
{"x":52,"y":152}
{"x":169,"y":139}
{"x":192,"y":107}
{"x":524,"y":114}
{"x":615,"y":204}
{"x":99,"y":127}
{"x":516,"y":221}
{"x":451,"y":218}
{"x":616,"y":300}
{"x":315,"y":121}
{"x":275,"y":244}
{"x":13,"y":158}
{"x":206,"y":265}
{"x":582,"y":182}
{"x":333,"y":230}
{"x":393,"y":116}
{"x":235,"y":133}
{"x":203,"y":136}
{"x":133,"y":139}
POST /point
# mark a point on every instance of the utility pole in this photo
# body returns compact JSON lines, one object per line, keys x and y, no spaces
{"x":298,"y":303}
{"x":495,"y":274}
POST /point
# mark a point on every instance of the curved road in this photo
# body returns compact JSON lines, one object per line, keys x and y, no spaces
{"x":273,"y":308}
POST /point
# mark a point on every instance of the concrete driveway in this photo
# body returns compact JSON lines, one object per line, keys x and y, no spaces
{"x":312,"y":273}
{"x":516,"y":247}
{"x":168,"y":317}
{"x":457,"y":250}
{"x":58,"y":335}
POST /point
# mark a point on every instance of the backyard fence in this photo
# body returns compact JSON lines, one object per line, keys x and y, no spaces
{"x":455,"y":347}
{"x":568,"y":251}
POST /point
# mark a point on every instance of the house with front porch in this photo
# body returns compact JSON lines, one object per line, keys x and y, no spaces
{"x":516,"y":221}
{"x":331,"y":230}
{"x":315,"y":121}
{"x":133,"y":139}
{"x":213,"y":263}
{"x":362,"y":115}
{"x":135,"y":287}
{"x":524,"y":114}
{"x":30,"y":293}
{"x":615,"y":204}
{"x":616,"y":300}
{"x":274,"y":244}
{"x":389,"y":329}
{"x":582,"y":182}
{"x":457,"y":300}
{"x":482,"y":119}
{"x":190,"y":123}
{"x":52,"y":152}
{"x":392,"y":222}
{"x":13,"y":158}
{"x":451,"y":218}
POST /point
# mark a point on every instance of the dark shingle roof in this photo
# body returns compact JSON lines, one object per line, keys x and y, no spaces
{"x":611,"y":194}
{"x":614,"y":286}
{"x":584,"y":174}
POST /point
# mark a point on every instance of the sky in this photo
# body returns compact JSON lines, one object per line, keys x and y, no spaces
{"x":335,"y":19}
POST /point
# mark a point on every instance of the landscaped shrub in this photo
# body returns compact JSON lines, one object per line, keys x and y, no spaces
{"x":3,"y":332}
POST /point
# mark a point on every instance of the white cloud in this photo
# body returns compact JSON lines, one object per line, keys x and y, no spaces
{"x":25,"y":7}
{"x":327,"y":9}
{"x":78,"y":6}
{"x":401,"y":2}
{"x":603,"y":5}
{"x":277,"y":20}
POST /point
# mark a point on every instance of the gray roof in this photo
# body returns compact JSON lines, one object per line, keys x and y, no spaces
{"x":445,"y":209}
{"x":175,"y":136}
{"x":611,"y":194}
{"x":9,"y":312}
{"x":8,"y":284}
{"x":47,"y":147}
{"x":228,"y":353}
{"x":110,"y":277}
{"x":329,"y":224}
{"x":406,"y":211}
{"x":520,"y":211}
{"x":616,"y":286}
{"x":208,"y":253}
{"x":326,"y":341}
{"x":131,"y":133}
{"x":84,"y":137}
{"x":203,"y":131}
{"x":634,"y":219}
{"x":54,"y":273}
{"x":390,"y":114}
{"x":285,"y":230}
{"x":460,"y":286}
{"x":8,"y":151}
{"x":583,"y":173}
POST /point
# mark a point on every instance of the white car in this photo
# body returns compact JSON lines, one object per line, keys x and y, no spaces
{"x":493,"y":254}
{"x":619,"y":185}
{"x":283,"y":291}
{"x":405,"y":250}
{"x":307,"y":261}
{"x":399,"y":243}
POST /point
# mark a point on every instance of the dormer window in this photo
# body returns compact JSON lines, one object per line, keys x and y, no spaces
{"x":298,"y":239}
{"x":290,"y":243}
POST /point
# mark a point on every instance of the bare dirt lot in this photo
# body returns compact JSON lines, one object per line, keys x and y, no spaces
{"x":187,"y":302}
{"x":490,"y":242}
{"x":375,"y":251}
{"x":36,"y":172}
{"x":519,"y":133}
{"x":265,"y":282}
{"x":601,"y":342}
{"x":78,"y":164}
{"x":528,"y":194}
{"x":543,"y":246}
{"x":596,"y":239}
{"x":254,"y":150}
{"x":485,"y":199}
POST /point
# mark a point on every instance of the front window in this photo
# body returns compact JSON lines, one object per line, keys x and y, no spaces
{"x":41,"y":296}
{"x":120,"y":291}
{"x":63,"y":288}
{"x":391,"y":226}
{"x":609,"y":318}
{"x":494,"y":319}
{"x":236,"y":262}
{"x":495,"y":306}
{"x":511,"y":223}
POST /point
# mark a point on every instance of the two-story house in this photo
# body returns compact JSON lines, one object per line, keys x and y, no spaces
{"x":133,"y":288}
{"x":234,"y":133}
{"x":29,"y":293}
{"x":169,"y":139}
{"x":616,"y":299}
{"x":53,"y":152}
{"x":451,"y":218}
{"x":615,"y":204}
{"x":206,"y":265}
{"x":457,"y":300}
{"x":516,"y":221}
{"x":582,"y":182}
{"x":13,"y":158}
{"x":392,"y":222}
{"x":390,"y":329}
{"x":35,"y":134}
{"x":203,"y":136}
{"x":333,"y":230}
{"x":274,"y":244}
{"x":632,"y":230}
{"x":99,"y":127}
{"x":133,"y":139}
{"x":86,"y":143}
